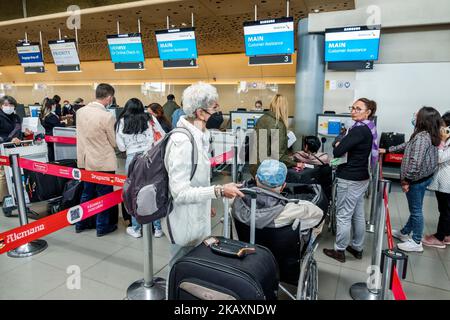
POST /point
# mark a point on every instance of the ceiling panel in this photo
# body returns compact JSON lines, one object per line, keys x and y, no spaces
{"x":218,"y":24}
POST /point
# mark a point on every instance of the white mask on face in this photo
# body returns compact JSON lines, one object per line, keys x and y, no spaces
{"x":8,"y":110}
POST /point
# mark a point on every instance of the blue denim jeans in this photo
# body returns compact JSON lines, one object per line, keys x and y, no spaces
{"x":415,"y":197}
{"x":102,"y":220}
{"x":136,"y":226}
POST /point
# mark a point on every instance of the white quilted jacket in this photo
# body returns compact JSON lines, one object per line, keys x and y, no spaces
{"x":190,"y":219}
{"x":441,"y":179}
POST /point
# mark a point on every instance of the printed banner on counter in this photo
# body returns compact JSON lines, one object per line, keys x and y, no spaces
{"x":14,"y":238}
{"x":62,"y":140}
{"x":73,"y":173}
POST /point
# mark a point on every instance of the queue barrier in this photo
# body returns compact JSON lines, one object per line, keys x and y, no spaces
{"x":388,"y":261}
{"x":24,"y":241}
{"x":62,"y":140}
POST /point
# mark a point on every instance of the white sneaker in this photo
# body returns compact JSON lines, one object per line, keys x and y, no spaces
{"x":410,"y":246}
{"x":400,"y":236}
{"x":158,"y":233}
{"x":133,"y":233}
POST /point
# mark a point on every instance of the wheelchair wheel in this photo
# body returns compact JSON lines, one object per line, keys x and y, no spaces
{"x":310,"y":282}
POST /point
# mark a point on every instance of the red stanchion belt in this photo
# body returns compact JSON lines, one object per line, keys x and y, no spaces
{"x":14,"y":238}
{"x":4,"y":161}
{"x":62,"y":140}
{"x":397,"y":288}
{"x":222,"y":158}
{"x":73,"y":173}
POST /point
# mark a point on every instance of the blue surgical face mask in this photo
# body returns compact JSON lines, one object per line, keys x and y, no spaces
{"x":413,"y":122}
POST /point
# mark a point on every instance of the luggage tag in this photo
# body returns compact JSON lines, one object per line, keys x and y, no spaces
{"x":210,"y":241}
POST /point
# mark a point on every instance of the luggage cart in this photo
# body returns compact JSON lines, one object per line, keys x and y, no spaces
{"x":26,"y":149}
{"x":65,"y":151}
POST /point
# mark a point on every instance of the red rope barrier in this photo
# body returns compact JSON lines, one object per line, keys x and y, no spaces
{"x":397,"y":288}
{"x":16,"y":237}
{"x":62,"y":140}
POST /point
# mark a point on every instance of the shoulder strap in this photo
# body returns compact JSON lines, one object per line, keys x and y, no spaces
{"x":194,"y":155}
{"x":318,"y":159}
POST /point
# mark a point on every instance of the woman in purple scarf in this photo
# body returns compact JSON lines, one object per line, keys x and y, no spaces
{"x":358,"y":145}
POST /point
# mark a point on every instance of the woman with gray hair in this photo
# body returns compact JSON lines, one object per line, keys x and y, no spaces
{"x":190,"y":219}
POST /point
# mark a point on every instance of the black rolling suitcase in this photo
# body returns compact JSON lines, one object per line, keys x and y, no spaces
{"x":219,"y":272}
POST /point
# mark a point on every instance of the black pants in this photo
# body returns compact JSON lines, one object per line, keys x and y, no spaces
{"x":443,"y":229}
{"x":51,"y":151}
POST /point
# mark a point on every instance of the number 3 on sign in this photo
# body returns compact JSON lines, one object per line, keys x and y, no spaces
{"x":286,"y":58}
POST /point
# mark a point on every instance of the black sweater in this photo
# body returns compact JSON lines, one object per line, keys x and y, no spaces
{"x":51,"y":121}
{"x":358,"y":146}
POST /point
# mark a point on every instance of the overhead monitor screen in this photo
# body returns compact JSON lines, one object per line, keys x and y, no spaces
{"x":30,"y":55}
{"x":352,"y":43}
{"x":126,"y":48}
{"x":176,"y":44}
{"x":269,"y":37}
{"x":64,"y":52}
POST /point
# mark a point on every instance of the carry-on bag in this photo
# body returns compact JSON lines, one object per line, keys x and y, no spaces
{"x":224,"y":269}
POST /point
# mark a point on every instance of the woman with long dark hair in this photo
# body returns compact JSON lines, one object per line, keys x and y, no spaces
{"x":136,"y":132}
{"x":157,"y":110}
{"x":420,"y":161}
{"x":441,"y":185}
{"x":49,"y":120}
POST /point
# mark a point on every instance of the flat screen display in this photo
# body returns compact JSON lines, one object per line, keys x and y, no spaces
{"x":176,"y":44}
{"x":126,"y":48}
{"x":269,"y":37}
{"x":352,"y":43}
{"x":30,"y":55}
{"x":64,"y":52}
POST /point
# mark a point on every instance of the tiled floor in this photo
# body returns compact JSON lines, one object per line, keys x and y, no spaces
{"x":110,"y":264}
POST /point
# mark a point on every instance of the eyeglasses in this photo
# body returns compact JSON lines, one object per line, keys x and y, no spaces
{"x":356,"y":109}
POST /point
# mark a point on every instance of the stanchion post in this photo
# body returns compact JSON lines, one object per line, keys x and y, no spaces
{"x":33,"y":247}
{"x":360,"y":290}
{"x":149,"y":288}
{"x":374,"y":199}
{"x":391,"y":261}
{"x":234,"y":165}
{"x":226,"y":219}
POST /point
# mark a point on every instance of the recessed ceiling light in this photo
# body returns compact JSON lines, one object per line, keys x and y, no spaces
{"x":316,"y":10}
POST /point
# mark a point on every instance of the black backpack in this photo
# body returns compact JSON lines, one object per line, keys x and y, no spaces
{"x":146,"y":193}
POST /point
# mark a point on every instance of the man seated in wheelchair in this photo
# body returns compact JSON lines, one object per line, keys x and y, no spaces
{"x":311,"y":154}
{"x":286,"y":226}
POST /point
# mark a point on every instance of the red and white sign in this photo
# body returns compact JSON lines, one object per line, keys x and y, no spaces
{"x":14,"y":238}
{"x":393,"y":157}
{"x":4,"y":161}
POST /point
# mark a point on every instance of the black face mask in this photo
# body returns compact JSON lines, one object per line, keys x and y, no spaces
{"x":214,"y":121}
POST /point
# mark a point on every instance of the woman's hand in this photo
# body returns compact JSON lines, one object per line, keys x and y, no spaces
{"x":213,"y":212}
{"x":381,"y":151}
{"x":16,"y":141}
{"x":28,"y":132}
{"x":405,"y":186}
{"x":231,"y":190}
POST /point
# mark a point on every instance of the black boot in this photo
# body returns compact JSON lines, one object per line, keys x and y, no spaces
{"x":338,"y":255}
{"x":357,"y":254}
